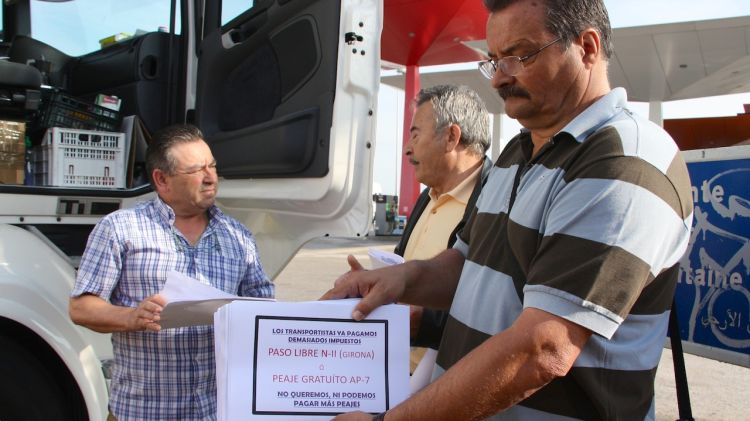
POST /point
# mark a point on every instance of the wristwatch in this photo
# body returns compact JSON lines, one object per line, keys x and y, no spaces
{"x":379,"y":417}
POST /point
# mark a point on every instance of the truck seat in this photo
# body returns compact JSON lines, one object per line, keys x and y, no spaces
{"x":19,"y":90}
{"x":49,"y":60}
{"x":19,"y":75}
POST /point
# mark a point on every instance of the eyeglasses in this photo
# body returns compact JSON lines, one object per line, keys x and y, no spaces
{"x":510,"y":65}
{"x":210,"y":167}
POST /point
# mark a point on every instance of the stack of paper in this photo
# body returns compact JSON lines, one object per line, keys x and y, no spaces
{"x":309,"y":360}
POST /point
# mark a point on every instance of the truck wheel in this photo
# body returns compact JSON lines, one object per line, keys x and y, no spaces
{"x":27,"y":389}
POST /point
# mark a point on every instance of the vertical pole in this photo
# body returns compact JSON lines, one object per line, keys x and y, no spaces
{"x":684,"y":409}
{"x":409,"y":191}
{"x":655,"y":113}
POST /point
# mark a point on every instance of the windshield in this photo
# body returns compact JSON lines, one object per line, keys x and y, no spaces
{"x":82,"y":26}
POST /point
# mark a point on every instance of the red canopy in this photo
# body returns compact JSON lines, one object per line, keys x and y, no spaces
{"x":430,"y":32}
{"x":425,"y":33}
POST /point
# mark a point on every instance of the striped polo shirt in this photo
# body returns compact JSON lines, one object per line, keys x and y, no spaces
{"x":590,"y":229}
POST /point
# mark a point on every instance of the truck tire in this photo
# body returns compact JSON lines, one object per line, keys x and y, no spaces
{"x":28,"y":391}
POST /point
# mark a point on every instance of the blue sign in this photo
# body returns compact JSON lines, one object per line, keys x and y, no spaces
{"x":713,"y":292}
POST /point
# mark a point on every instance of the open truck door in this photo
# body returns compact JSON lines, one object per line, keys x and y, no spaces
{"x":285,"y":95}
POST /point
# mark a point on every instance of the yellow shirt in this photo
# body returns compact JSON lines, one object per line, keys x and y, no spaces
{"x":439,"y":219}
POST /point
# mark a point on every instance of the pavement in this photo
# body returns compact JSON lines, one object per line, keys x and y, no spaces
{"x":718,"y":391}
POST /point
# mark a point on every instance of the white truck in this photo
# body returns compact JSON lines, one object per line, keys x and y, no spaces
{"x":285,"y":92}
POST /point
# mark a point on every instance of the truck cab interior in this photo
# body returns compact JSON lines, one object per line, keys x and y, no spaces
{"x":135,"y":70}
{"x":259,"y":81}
{"x":37,"y":76}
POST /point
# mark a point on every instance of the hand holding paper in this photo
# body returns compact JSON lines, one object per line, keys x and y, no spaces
{"x":423,"y":373}
{"x":191,"y":303}
{"x":375,"y":287}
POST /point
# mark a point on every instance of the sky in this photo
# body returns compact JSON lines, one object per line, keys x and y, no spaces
{"x":623,"y":13}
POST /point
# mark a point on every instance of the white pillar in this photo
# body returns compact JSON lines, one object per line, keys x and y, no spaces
{"x":497,"y":131}
{"x":655,"y":113}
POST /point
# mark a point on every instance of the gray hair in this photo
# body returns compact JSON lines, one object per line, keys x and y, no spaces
{"x":567,"y":18}
{"x":158,"y":154}
{"x":462,"y":106}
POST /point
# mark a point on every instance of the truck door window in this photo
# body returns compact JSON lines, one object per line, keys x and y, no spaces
{"x":230,"y":9}
{"x":82,"y":26}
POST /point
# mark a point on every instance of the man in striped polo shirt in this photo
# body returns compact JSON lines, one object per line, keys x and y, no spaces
{"x":560,"y":285}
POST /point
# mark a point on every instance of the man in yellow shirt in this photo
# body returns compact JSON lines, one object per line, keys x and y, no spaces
{"x":449,"y":138}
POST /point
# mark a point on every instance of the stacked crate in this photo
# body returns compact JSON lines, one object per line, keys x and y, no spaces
{"x":80,"y":158}
{"x":80,"y":147}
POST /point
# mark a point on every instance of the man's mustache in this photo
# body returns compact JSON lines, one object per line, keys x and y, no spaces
{"x":508,"y":91}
